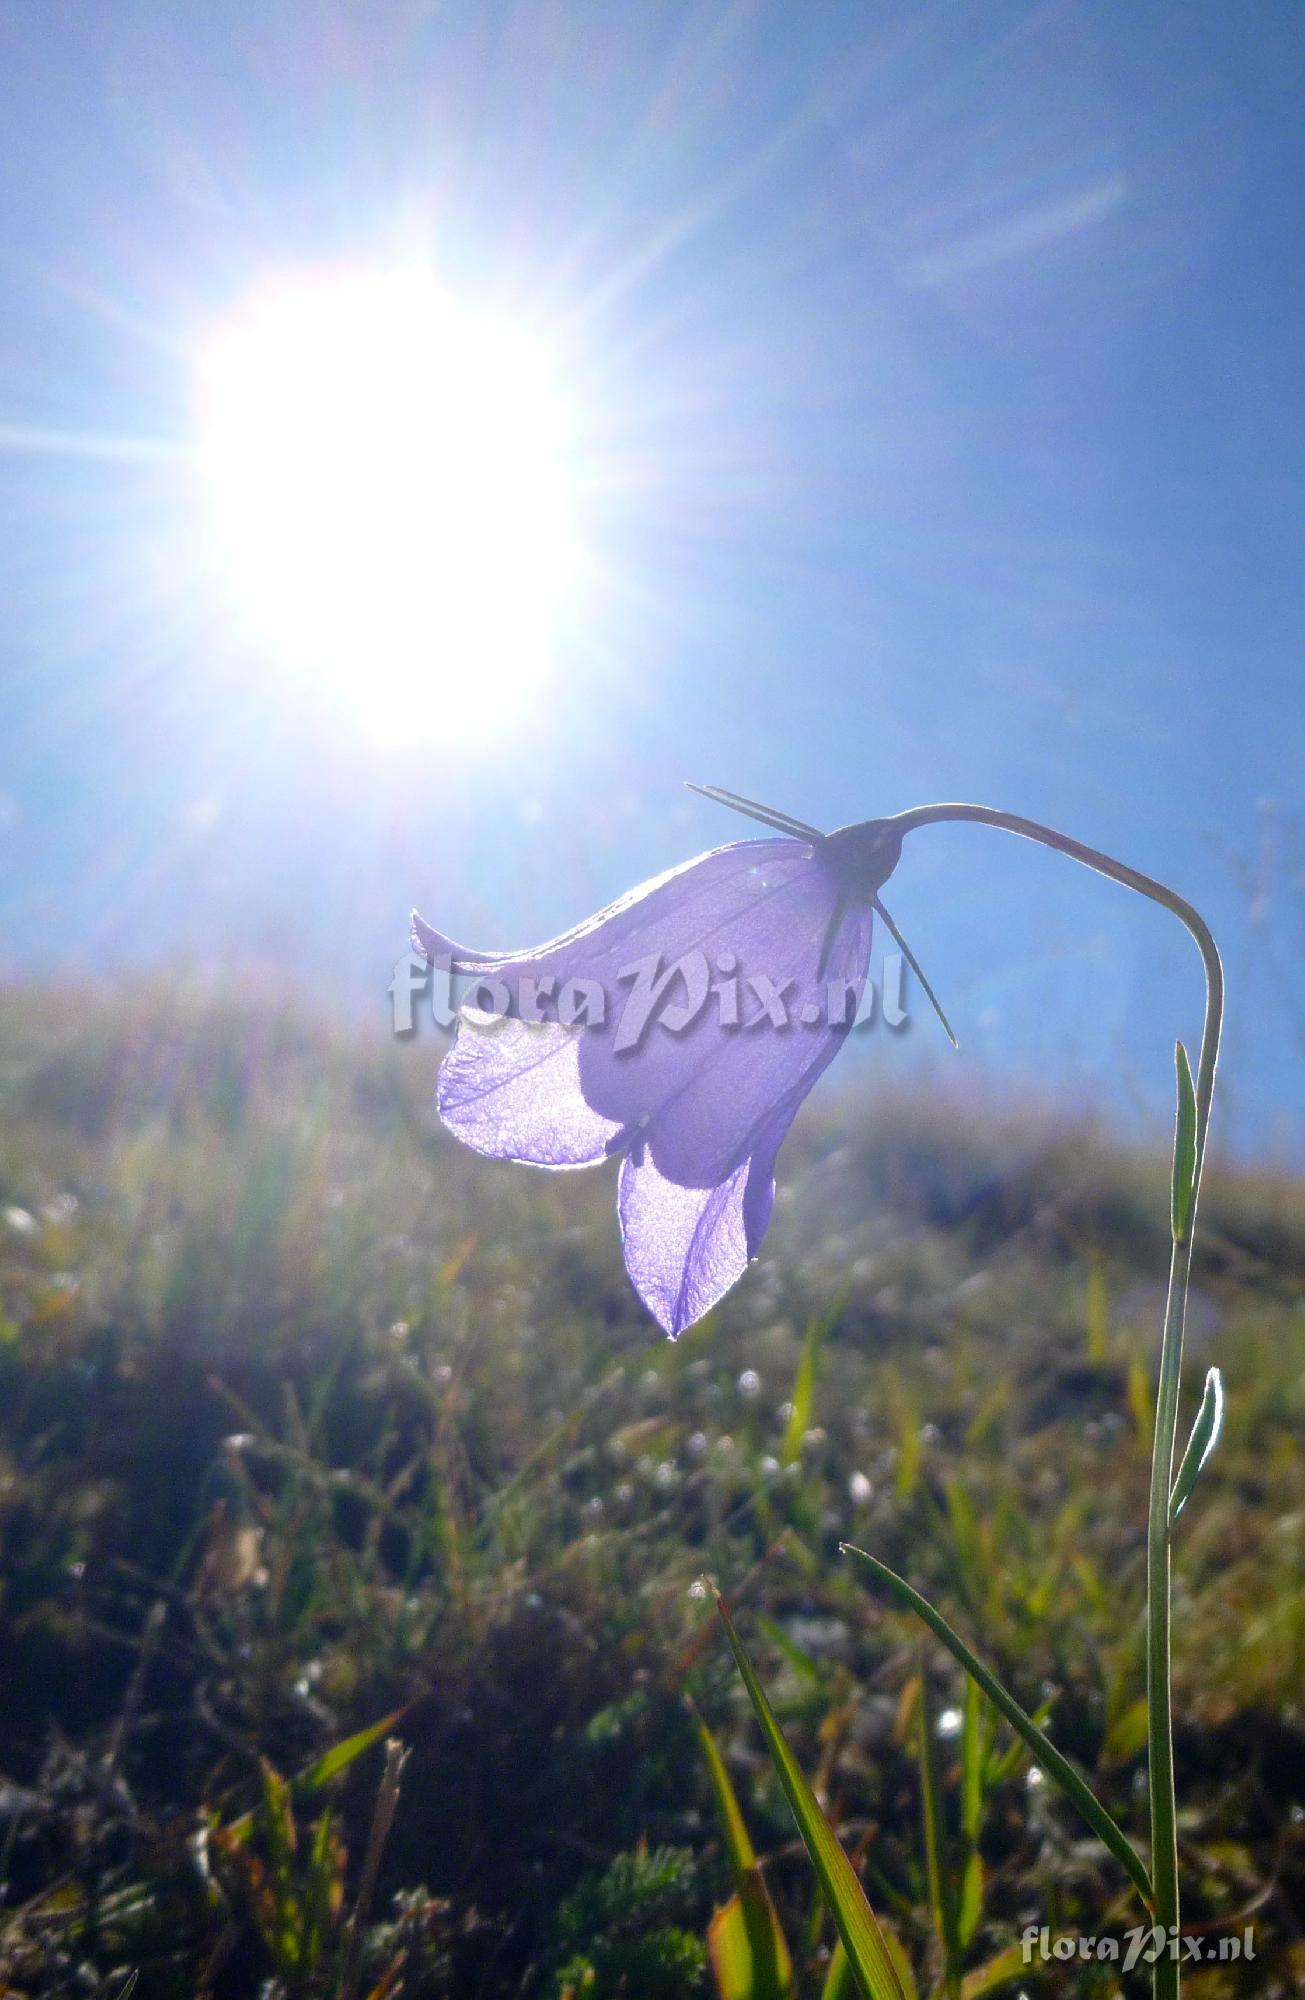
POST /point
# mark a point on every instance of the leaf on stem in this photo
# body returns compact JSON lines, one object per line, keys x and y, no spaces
{"x":1205,"y":1436}
{"x":1184,"y":1147}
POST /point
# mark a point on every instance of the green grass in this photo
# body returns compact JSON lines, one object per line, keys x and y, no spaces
{"x":307,"y":1416}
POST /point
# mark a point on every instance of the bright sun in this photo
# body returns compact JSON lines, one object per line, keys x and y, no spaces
{"x":389,"y":475}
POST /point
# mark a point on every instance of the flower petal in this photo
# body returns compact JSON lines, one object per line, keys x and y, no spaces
{"x":684,"y":1247}
{"x":519,"y":1090}
{"x":669,"y":913}
{"x":698,"y":1095}
{"x":512,"y":1090}
{"x":715,"y":997}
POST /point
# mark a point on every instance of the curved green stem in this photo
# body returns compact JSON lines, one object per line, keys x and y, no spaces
{"x":1164,"y":1834}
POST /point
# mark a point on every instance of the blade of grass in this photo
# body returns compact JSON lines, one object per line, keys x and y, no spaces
{"x":281,"y":1835}
{"x":1056,"y":1767}
{"x":804,"y":1382}
{"x":972,"y":1772}
{"x":840,"y":1984}
{"x":1004,"y":1767}
{"x":748,"y":1949}
{"x":806,"y":1668}
{"x":322,"y":1886}
{"x":871,"y":1961}
{"x":1002,"y":1970}
{"x":327,"y":1766}
{"x":942,"y":1889}
{"x":1139,"y":1402}
{"x":741,"y":1943}
{"x":738,"y":1841}
{"x":342,"y":1754}
{"x":971,"y":1909}
{"x":910,"y":1450}
{"x":971,"y":1762}
{"x":1098,"y":1311}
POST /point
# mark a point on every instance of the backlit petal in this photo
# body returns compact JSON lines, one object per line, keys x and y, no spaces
{"x":684,"y":1247}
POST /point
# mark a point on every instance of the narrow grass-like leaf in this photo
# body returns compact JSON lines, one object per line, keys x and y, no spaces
{"x":971,"y":1903}
{"x":972,"y":1762}
{"x":972,"y":1566}
{"x":804,"y":1666}
{"x":840,"y":1983}
{"x":804,"y":1382}
{"x":910,"y":1452}
{"x":338,"y":1758}
{"x":1139,"y":1402}
{"x":871,"y":1960}
{"x":942,"y":1888}
{"x":729,"y":1950}
{"x":738,"y":1842}
{"x":278,"y":1819}
{"x":1008,"y":1966}
{"x":749,"y":1956}
{"x":799,"y":1416}
{"x":972,"y":1776}
{"x":1184,"y":1146}
{"x":1126,"y":1734}
{"x":901,"y":1963}
{"x":1003,"y":1768}
{"x":322,"y":1889}
{"x":340,"y":1755}
{"x":1049,"y":1759}
{"x":281,"y":1835}
{"x":748,"y":1949}
{"x":1204,"y":1438}
{"x":1098,"y":1311}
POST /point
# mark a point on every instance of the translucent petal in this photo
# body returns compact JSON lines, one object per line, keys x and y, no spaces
{"x":684,"y":1246}
{"x":723,"y":989}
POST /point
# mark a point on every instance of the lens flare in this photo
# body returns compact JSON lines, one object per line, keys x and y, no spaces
{"x":390,"y":489}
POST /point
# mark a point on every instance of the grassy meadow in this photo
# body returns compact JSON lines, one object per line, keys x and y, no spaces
{"x":319,"y":1432}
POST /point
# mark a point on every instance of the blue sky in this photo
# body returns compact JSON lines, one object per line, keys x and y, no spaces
{"x":938,"y":374}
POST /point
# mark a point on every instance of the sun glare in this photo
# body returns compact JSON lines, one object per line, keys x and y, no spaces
{"x":389,"y":479}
